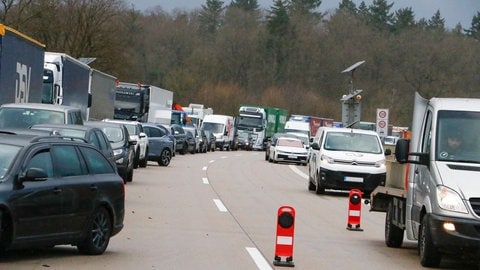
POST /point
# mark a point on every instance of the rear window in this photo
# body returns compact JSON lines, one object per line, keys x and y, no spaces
{"x":25,"y":118}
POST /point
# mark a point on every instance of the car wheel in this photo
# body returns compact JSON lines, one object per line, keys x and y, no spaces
{"x":311,"y":185}
{"x":319,"y":188}
{"x":184,"y":149}
{"x":136,"y":159}
{"x":97,"y":234}
{"x":429,"y":254}
{"x":165,"y":157}
{"x":393,"y":234}
{"x":144,"y":161}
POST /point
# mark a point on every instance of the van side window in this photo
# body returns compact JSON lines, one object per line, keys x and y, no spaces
{"x":427,"y":134}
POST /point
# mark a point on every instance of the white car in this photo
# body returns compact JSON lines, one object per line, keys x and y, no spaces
{"x":289,"y":149}
{"x":136,"y":133}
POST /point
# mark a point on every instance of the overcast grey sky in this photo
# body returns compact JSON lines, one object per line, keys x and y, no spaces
{"x":453,"y":11}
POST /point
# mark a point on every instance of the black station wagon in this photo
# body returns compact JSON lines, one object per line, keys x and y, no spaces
{"x":55,"y":191}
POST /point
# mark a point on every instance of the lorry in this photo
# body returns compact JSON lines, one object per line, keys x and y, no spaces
{"x":432,"y":192}
{"x":196,"y":113}
{"x":103,"y":95}
{"x":143,"y":103}
{"x":262,"y":122}
{"x":314,"y":122}
{"x":66,"y":81}
{"x":222,"y":127}
{"x":21,"y":67}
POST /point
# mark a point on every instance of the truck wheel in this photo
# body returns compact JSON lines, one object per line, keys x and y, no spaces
{"x":393,"y":234}
{"x":429,"y":254}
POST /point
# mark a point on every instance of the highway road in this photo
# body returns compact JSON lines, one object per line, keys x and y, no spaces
{"x":218,"y":211}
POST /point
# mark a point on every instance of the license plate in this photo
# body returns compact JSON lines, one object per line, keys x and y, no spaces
{"x":292,"y":157}
{"x":353,"y":179}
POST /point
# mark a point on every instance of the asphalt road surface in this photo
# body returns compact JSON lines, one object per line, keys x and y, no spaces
{"x":219,"y":211}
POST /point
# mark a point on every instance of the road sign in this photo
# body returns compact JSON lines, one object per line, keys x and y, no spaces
{"x":382,"y":122}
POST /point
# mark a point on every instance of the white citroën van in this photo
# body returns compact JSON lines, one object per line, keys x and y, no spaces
{"x":344,"y":159}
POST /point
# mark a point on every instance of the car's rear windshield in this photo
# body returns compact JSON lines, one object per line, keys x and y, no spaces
{"x":7,"y":156}
{"x":114,"y":134}
{"x":25,"y":118}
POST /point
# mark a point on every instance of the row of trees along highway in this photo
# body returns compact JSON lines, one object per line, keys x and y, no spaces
{"x":289,"y":56}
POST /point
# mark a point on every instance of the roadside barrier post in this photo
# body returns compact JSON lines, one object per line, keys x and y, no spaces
{"x":354,"y":210}
{"x":284,"y":237}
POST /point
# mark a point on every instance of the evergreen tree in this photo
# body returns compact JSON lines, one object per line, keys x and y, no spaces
{"x":278,"y":21}
{"x":348,"y":6}
{"x":210,"y":16}
{"x":436,"y":22}
{"x":379,"y":14}
{"x":474,"y":30}
{"x":305,"y":7}
{"x":247,"y":5}
{"x":404,"y":18}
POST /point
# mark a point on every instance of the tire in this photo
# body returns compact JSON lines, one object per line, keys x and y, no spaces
{"x":184,"y":149}
{"x":144,"y":161}
{"x":311,"y":185}
{"x":129,"y":175}
{"x":97,"y":234}
{"x":136,"y":159}
{"x":393,"y":234}
{"x":319,"y":188}
{"x":429,"y":254}
{"x":165,"y":157}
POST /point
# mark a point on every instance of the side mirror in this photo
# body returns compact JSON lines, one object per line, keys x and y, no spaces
{"x":401,"y":150}
{"x":315,"y":146}
{"x":388,"y":152}
{"x":34,"y":174}
{"x":142,"y":135}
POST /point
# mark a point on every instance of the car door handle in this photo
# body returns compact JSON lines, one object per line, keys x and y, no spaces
{"x":93,"y":187}
{"x":57,"y":190}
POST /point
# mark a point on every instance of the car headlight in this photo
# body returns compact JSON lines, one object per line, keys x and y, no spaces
{"x":380,"y":163}
{"x":450,"y":200}
{"x":117,"y":152}
{"x":327,"y":159}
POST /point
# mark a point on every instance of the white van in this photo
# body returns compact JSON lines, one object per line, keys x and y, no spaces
{"x":297,"y":127}
{"x":222,"y":126}
{"x":344,"y":159}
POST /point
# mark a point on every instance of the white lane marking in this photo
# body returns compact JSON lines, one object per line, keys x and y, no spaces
{"x":211,"y":161}
{"x":220,"y":205}
{"x":205,"y":168}
{"x":259,"y":260}
{"x":224,"y":157}
{"x":297,"y":171}
{"x":205,"y":180}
